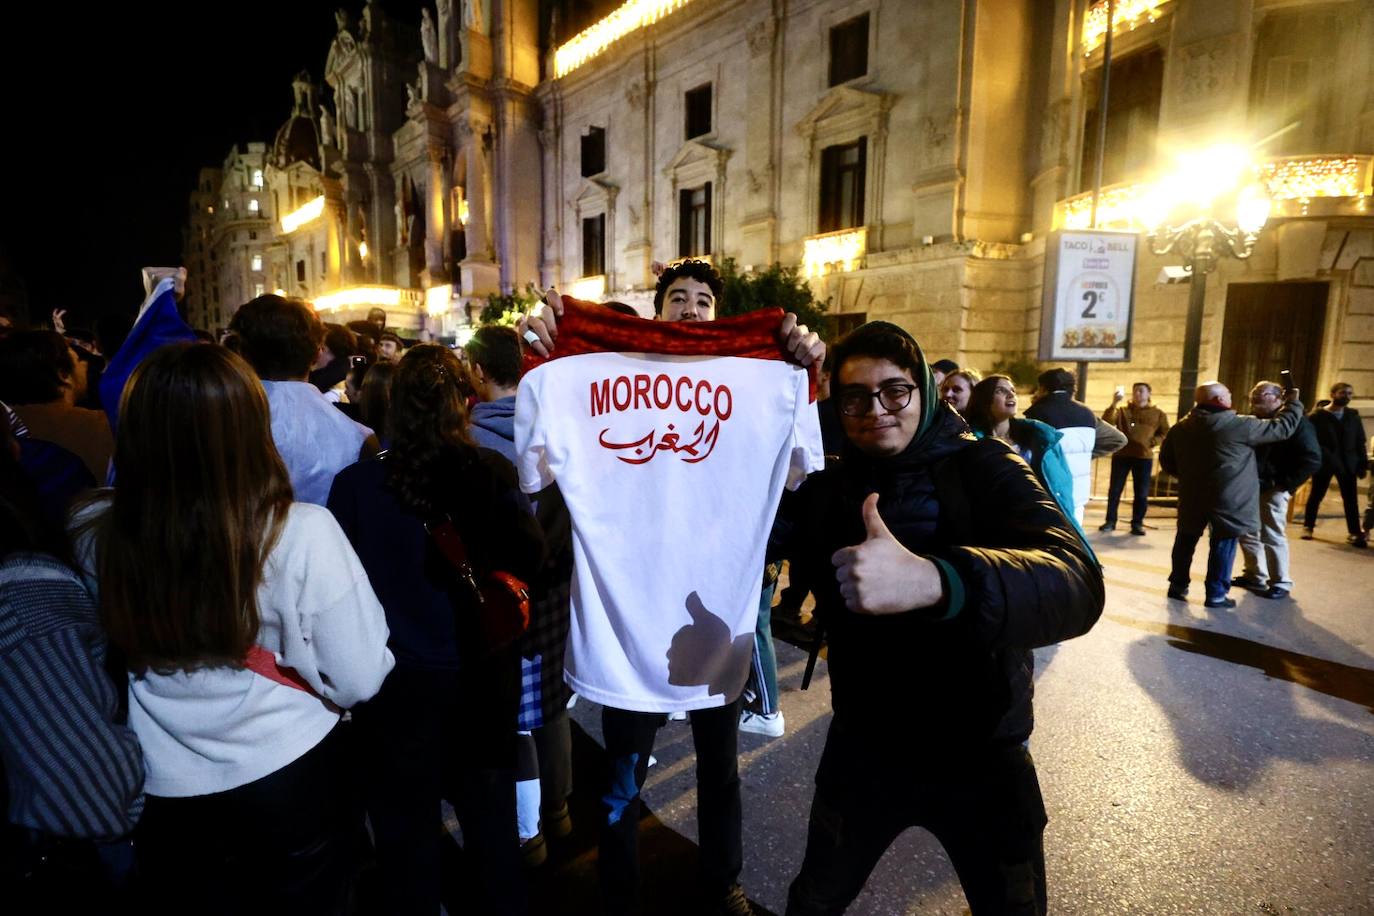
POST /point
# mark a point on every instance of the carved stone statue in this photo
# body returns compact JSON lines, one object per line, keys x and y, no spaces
{"x":472,"y":15}
{"x":341,"y":19}
{"x":326,"y":127}
{"x":412,"y":95}
{"x":400,"y":212}
{"x":429,"y":38}
{"x":350,"y":111}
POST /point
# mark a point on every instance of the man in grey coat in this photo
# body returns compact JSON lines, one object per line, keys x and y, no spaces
{"x":1212,"y":453}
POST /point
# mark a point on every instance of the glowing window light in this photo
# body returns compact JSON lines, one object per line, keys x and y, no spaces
{"x":437,"y":299}
{"x":1301,"y":179}
{"x":593,"y":40}
{"x":1128,"y":16}
{"x":298,"y":218}
{"x":834,"y":251}
{"x":588,"y":289}
{"x":382,"y":296}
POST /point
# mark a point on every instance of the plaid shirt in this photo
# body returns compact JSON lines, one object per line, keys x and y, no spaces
{"x":543,"y":692}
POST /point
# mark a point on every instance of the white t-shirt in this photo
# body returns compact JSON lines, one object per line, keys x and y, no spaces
{"x":672,"y":467}
{"x":214,"y":729}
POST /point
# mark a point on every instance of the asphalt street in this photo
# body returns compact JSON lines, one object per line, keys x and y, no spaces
{"x":1192,"y":761}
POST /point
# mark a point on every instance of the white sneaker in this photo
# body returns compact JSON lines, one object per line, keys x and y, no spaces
{"x":771,"y":726}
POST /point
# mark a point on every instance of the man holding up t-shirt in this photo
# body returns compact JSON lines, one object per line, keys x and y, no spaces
{"x":671,"y":446}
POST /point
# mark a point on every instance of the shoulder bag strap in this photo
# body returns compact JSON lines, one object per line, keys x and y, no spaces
{"x":264,"y":663}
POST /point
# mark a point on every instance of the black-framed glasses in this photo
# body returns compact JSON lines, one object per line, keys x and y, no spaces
{"x":894,"y":397}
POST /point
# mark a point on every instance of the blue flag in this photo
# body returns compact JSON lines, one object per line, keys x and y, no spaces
{"x":158,"y":323}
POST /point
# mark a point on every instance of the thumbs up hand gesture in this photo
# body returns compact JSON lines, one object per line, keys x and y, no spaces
{"x":880,"y":576}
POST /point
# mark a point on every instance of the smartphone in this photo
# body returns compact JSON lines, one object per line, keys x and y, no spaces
{"x":1286,"y":377}
{"x":356,"y":361}
{"x":1121,"y":391}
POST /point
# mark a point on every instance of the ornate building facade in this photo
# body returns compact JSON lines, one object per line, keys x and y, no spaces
{"x":911,"y":158}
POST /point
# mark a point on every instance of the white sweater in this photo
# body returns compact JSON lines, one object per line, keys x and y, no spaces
{"x":215,"y":729}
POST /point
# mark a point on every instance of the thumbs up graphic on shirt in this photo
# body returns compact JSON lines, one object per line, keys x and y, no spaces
{"x":880,"y":576}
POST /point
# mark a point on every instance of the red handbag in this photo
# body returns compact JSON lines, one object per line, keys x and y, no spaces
{"x":501,"y":599}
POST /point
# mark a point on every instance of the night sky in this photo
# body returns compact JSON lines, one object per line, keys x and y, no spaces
{"x":109,"y":110}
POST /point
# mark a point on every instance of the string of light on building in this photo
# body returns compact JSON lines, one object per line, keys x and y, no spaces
{"x":595,"y":39}
{"x":1128,"y":16}
{"x":303,"y":215}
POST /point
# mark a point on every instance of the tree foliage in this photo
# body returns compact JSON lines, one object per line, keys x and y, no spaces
{"x":783,"y":287}
{"x":505,"y":309}
{"x":1018,"y":368}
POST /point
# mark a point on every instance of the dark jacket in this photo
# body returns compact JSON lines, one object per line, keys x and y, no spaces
{"x":493,"y":426}
{"x":1212,"y":453}
{"x":1341,"y":440}
{"x":957,"y":678}
{"x":414,"y":582}
{"x":1286,"y":465}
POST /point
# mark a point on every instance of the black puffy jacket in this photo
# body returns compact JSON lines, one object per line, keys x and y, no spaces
{"x":1017,"y":577}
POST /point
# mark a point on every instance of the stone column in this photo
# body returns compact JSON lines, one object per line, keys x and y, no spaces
{"x":758,"y":242}
{"x":434,"y":216}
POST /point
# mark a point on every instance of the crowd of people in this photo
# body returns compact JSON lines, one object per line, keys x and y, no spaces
{"x":246,"y":596}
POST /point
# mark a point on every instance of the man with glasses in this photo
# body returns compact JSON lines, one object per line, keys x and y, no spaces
{"x":1283,"y":467}
{"x":951,"y":563}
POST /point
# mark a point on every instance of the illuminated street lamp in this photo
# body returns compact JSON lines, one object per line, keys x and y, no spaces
{"x":1203,"y":179}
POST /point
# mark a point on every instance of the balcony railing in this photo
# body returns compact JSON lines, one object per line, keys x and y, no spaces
{"x":588,"y":289}
{"x":834,"y":251}
{"x":1297,"y":185}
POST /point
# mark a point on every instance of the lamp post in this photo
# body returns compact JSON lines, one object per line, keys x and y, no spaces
{"x":1203,"y":242}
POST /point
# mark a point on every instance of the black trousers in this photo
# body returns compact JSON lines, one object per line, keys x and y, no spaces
{"x":1139,"y":469}
{"x":1321,"y":481}
{"x":280,"y":843}
{"x":434,"y":734}
{"x":629,"y":739}
{"x":986,"y":811}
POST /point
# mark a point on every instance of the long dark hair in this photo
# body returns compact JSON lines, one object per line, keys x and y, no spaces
{"x":374,"y":397}
{"x":979,"y":414}
{"x":201,"y":501}
{"x":428,"y":421}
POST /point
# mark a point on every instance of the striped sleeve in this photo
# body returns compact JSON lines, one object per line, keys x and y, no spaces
{"x":72,"y":771}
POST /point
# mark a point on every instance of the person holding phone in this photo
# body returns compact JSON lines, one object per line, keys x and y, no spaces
{"x":1283,"y":467}
{"x":1212,"y":453}
{"x":1145,"y":427}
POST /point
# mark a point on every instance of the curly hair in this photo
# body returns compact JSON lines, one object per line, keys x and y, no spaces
{"x":693,"y":269}
{"x":428,"y":420}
